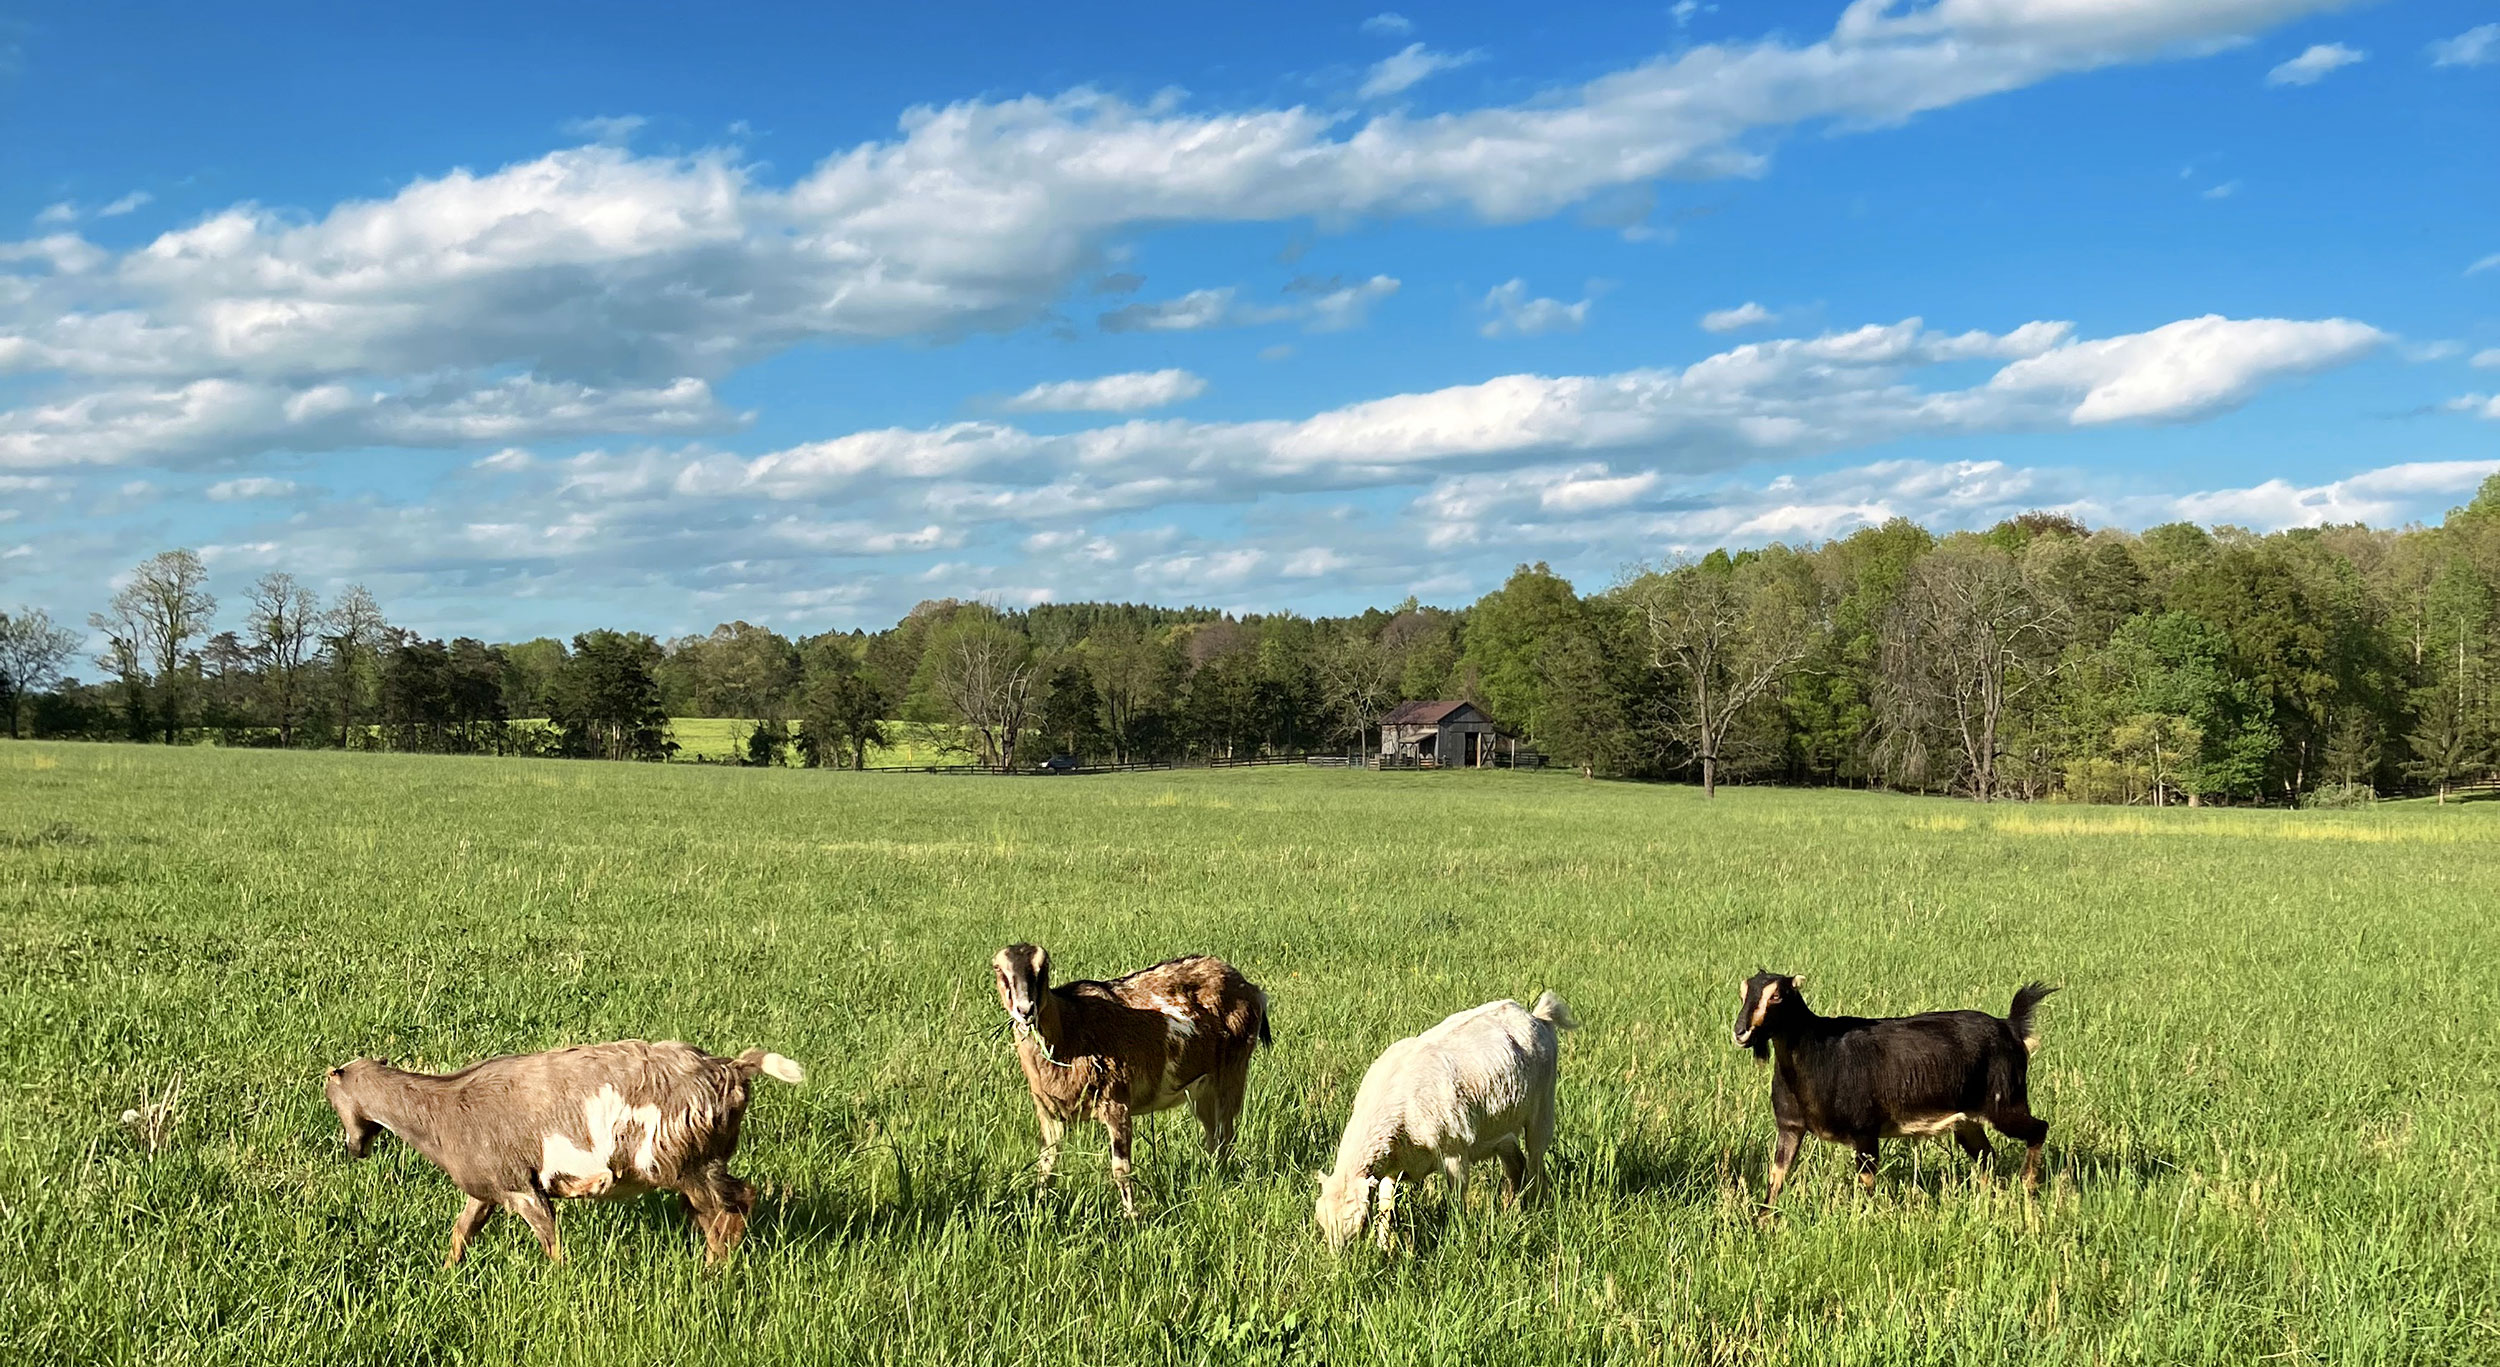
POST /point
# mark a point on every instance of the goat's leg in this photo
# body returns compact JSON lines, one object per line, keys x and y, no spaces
{"x":720,"y":1203}
{"x":1514,"y":1172}
{"x":1053,"y":1130}
{"x":534,"y":1207}
{"x":1382,"y":1234}
{"x":1454,"y":1168}
{"x":1117,"y":1123}
{"x":2017,"y":1122}
{"x":464,"y":1228}
{"x":1974,"y":1142}
{"x":1783,"y":1157}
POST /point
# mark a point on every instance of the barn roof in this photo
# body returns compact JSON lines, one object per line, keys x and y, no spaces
{"x":1430,"y":713}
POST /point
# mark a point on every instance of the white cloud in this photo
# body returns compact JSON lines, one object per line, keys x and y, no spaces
{"x":2485,"y":264}
{"x":1330,"y":304}
{"x":2312,"y":65}
{"x":1516,"y":314}
{"x":1788,"y":397}
{"x":597,"y":266}
{"x":1125,"y":393}
{"x":1389,"y":24}
{"x":2476,"y":405}
{"x":2374,"y":496}
{"x":2186,"y":369}
{"x":219,"y":418}
{"x":1744,"y":315}
{"x":1399,"y":71}
{"x":252,"y":486}
{"x":1189,"y":313}
{"x":129,"y":203}
{"x":2477,"y":46}
{"x":2488,"y":358}
{"x":615,"y":128}
{"x":2225,"y":190}
{"x":508,"y":459}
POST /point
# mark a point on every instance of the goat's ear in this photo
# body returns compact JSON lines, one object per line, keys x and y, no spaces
{"x":1795,"y":981}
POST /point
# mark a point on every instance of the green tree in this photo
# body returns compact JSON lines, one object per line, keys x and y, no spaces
{"x":1508,"y":631}
{"x":605,"y":701}
{"x":149,"y":628}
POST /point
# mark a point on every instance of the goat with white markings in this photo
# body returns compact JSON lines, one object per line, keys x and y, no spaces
{"x":604,"y":1120}
{"x":1110,"y":1052}
{"x":1479,"y":1085}
{"x":1854,"y":1080}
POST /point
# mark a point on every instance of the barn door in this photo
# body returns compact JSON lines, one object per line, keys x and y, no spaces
{"x":1474,"y":738}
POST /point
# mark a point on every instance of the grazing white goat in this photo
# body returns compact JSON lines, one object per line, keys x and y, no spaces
{"x":1478,"y":1085}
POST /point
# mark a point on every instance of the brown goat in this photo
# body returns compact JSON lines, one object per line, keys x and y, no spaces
{"x":1133,"y":1046}
{"x":605,"y":1120}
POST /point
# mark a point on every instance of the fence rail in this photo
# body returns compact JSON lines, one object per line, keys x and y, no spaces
{"x":1326,"y":761}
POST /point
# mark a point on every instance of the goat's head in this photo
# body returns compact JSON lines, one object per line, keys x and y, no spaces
{"x":1345,"y":1203}
{"x":1023,"y":979}
{"x":1767,"y":996}
{"x":357,"y":1130}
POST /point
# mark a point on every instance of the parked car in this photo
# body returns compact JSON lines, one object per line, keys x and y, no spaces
{"x":1062,"y":764}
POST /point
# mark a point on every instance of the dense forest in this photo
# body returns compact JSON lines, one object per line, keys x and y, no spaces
{"x":2038,"y":659}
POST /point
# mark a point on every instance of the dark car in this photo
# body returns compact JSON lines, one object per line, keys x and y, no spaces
{"x":1062,"y":764}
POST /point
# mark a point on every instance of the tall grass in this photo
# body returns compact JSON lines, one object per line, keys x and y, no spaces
{"x":2270,"y":1081}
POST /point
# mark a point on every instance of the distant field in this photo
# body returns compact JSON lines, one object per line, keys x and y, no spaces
{"x":725,"y":738}
{"x":2271,"y":1077}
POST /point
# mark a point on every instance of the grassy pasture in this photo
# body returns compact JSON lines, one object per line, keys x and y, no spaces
{"x":2271,"y":1078}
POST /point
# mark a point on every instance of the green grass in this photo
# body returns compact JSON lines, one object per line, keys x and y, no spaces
{"x":2271,"y":1076}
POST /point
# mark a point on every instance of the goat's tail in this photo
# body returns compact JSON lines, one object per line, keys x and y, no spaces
{"x":773,"y":1066}
{"x":2026,"y":1003}
{"x":1554,"y":1011}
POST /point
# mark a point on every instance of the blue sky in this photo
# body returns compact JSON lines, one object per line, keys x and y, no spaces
{"x":534,"y":318}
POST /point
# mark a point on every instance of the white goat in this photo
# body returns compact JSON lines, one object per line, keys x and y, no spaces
{"x":1478,"y":1085}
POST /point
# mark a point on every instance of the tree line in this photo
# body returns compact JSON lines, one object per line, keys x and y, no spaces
{"x":2037,"y":659}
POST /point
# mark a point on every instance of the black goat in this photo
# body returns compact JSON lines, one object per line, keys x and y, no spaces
{"x":1852,"y":1080}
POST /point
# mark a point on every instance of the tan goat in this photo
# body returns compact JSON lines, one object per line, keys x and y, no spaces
{"x":604,"y":1120}
{"x":1133,"y":1046}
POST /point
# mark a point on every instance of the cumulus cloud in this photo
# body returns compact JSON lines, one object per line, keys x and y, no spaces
{"x":252,"y":486}
{"x":1189,"y":313}
{"x":606,"y":127}
{"x":1744,"y":315}
{"x":1515,"y":314}
{"x":2186,"y":369}
{"x":599,"y":266}
{"x":2376,"y":496}
{"x":1788,"y":397}
{"x":1399,"y":71}
{"x":1330,"y":304}
{"x":1389,"y":24}
{"x":1125,"y":393}
{"x":2477,"y":46}
{"x":214,"y":419}
{"x":2314,"y":64}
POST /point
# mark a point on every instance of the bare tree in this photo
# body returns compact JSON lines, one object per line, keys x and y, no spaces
{"x":983,"y":670}
{"x":351,"y":631}
{"x":149,"y":627}
{"x":1360,"y":679}
{"x":284,"y":630}
{"x":32,"y":651}
{"x":1971,"y":637}
{"x":1727,"y":635}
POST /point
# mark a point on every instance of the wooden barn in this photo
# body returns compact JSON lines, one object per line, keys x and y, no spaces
{"x":1447,"y":734}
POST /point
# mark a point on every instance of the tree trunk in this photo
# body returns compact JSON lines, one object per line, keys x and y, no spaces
{"x":1709,"y":775}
